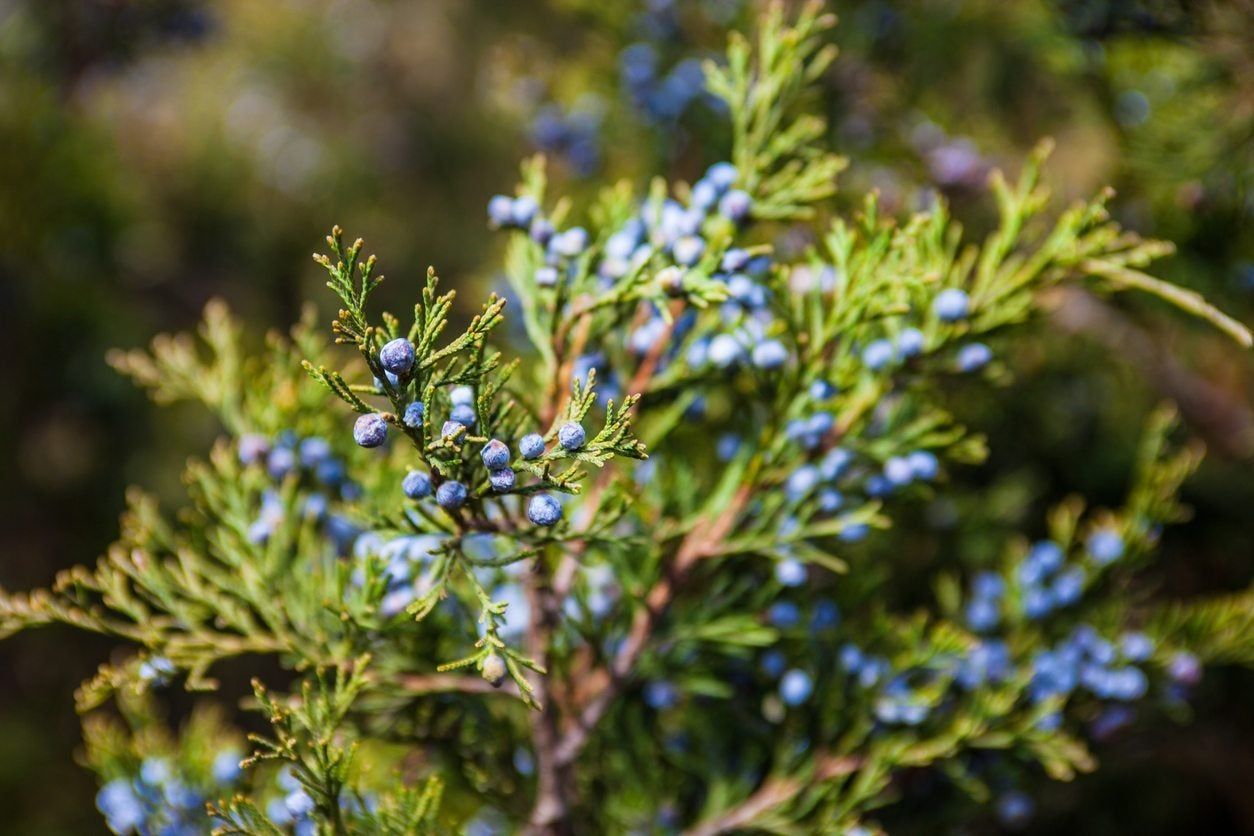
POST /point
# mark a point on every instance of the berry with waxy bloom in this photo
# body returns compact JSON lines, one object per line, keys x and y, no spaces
{"x":370,"y":430}
{"x":500,"y":210}
{"x":546,"y":276}
{"x":951,"y":304}
{"x":464,"y":414}
{"x":495,"y":454}
{"x":735,"y":205}
{"x":412,"y":417}
{"x":910,"y":343}
{"x":973,"y":356}
{"x":877,"y":354}
{"x":795,"y":687}
{"x":501,"y":479}
{"x":571,"y":436}
{"x":1105,"y":545}
{"x":451,"y":494}
{"x":397,"y":356}
{"x":531,"y":446}
{"x":770,"y":355}
{"x":416,"y":484}
{"x":543,"y":509}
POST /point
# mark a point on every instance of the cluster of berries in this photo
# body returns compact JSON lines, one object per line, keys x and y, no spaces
{"x":661,"y":97}
{"x":561,"y":248}
{"x":310,"y":460}
{"x":161,"y":798}
{"x":949,"y":306}
{"x":572,"y":134}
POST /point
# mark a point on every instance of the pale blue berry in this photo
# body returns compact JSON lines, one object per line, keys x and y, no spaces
{"x":541,"y":231}
{"x":571,"y":436}
{"x":252,"y":446}
{"x":790,"y":572}
{"x":1068,"y":586}
{"x":416,"y":484}
{"x":501,"y":479}
{"x":770,"y":355}
{"x":923,"y":464}
{"x":704,"y":195}
{"x":280,"y":462}
{"x":1136,"y":647}
{"x":795,"y":687}
{"x":523,"y":210}
{"x":546,"y":276}
{"x":688,"y":250}
{"x":570,"y":243}
{"x":951,"y":305}
{"x":451,"y":494}
{"x":460,"y":395}
{"x":801,"y":482}
{"x":544,"y":510}
{"x":299,"y":803}
{"x":830,"y":500}
{"x":724,"y":351}
{"x":500,"y":210}
{"x":313,"y":451}
{"x":877,"y":355}
{"x":397,"y":356}
{"x":734,"y":260}
{"x":897,"y":470}
{"x":531,"y":446}
{"x":973,"y":356}
{"x":495,"y":454}
{"x":226,"y":767}
{"x":451,"y":428}
{"x":463,"y":413}
{"x":370,"y":430}
{"x":910,"y":343}
{"x":722,"y":175}
{"x":1105,"y":545}
{"x":735,"y":205}
{"x":413,"y":415}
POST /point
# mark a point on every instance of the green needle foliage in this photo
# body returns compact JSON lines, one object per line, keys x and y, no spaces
{"x":702,"y":633}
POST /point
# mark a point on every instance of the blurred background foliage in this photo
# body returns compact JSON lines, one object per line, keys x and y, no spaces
{"x":157,"y":153}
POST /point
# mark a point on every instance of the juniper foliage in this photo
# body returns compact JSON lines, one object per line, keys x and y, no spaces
{"x":693,"y":631}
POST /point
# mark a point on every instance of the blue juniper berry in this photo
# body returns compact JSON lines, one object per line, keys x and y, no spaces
{"x":546,"y":276}
{"x":795,"y":687}
{"x":910,"y":343}
{"x":416,"y":484}
{"x":451,"y":494}
{"x":412,"y":416}
{"x":571,"y":436}
{"x":1105,"y":545}
{"x":951,"y":305}
{"x":770,"y":355}
{"x":543,"y":509}
{"x":397,"y":356}
{"x":735,"y":206}
{"x":531,"y":446}
{"x":501,"y":479}
{"x":973,"y":356}
{"x":495,"y":454}
{"x":370,"y":430}
{"x":878,"y":354}
{"x":464,"y":414}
